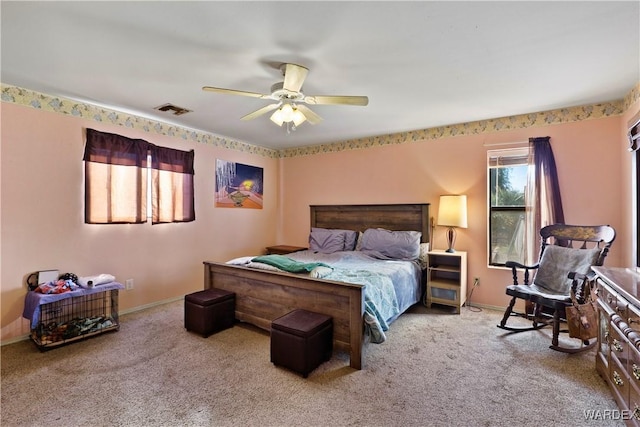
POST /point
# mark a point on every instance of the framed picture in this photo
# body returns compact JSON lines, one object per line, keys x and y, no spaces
{"x":238,"y":185}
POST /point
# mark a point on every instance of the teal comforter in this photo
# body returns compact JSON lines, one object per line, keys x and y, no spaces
{"x":381,"y":301}
{"x":288,"y":264}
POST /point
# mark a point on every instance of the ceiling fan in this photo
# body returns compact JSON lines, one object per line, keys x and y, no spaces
{"x":289,"y":105}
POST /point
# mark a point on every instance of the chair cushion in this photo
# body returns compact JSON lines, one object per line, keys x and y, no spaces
{"x":534,"y":292}
{"x":556,"y":264}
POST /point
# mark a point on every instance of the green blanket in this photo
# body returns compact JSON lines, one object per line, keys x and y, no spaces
{"x":288,"y":264}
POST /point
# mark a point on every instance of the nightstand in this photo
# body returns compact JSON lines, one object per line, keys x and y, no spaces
{"x":283,"y":249}
{"x":447,"y":278}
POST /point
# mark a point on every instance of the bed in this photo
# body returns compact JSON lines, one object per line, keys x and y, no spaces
{"x":263,"y":295}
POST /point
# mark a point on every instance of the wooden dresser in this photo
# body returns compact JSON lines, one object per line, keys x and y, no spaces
{"x":618,"y":351}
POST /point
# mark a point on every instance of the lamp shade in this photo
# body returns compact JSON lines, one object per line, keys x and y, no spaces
{"x":298,"y":117}
{"x":287,"y":113}
{"x":277,"y":118}
{"x":452,"y":211}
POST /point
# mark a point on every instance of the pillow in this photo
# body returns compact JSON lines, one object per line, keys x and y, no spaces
{"x":320,"y":271}
{"x":556,"y":264}
{"x":240,"y":261}
{"x":359,"y":241}
{"x":404,"y":245}
{"x":325,"y":240}
{"x":350,"y":239}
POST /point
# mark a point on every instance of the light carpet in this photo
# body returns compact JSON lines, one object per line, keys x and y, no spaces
{"x":435,"y":369}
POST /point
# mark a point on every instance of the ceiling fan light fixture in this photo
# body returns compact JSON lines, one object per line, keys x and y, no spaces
{"x":298,"y":117}
{"x":287,"y":112}
{"x":276,"y":117}
{"x":290,"y":103}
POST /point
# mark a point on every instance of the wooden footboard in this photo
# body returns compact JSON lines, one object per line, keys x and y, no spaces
{"x":262,"y":296}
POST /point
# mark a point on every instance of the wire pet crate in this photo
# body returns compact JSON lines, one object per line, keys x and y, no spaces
{"x":76,"y":318}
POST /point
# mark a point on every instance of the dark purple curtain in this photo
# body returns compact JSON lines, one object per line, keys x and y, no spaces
{"x":116,"y":181}
{"x":110,"y":160}
{"x":172,"y":187}
{"x":634,"y":136}
{"x":169,"y":159}
{"x":115,"y":149}
{"x":634,"y":148}
{"x":548,"y":211}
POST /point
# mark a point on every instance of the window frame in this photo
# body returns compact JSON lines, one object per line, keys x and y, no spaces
{"x":146,"y":198}
{"x":512,"y":157}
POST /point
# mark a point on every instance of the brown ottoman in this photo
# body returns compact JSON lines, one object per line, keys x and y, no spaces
{"x":209,"y":311}
{"x":301,"y":340}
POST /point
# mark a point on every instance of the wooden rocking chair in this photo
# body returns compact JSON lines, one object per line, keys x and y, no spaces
{"x":564,"y":249}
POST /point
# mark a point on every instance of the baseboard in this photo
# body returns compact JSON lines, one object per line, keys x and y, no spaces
{"x":485,"y":306}
{"x":14,"y":340}
{"x":122,"y":313}
{"x":151,"y":305}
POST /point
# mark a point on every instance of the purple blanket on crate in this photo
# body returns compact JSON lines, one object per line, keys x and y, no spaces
{"x":34,"y":300}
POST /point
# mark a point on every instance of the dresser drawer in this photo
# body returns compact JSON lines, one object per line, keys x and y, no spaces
{"x":604,"y":324}
{"x":634,"y":404}
{"x":633,"y":371}
{"x":633,"y":322}
{"x":611,"y":300}
{"x":634,"y":366}
{"x":618,"y":343}
{"x":620,"y":382}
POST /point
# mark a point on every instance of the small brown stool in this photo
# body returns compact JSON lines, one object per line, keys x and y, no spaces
{"x":209,"y":311}
{"x":301,"y":340}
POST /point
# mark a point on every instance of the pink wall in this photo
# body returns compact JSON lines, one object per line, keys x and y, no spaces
{"x":42,"y":202}
{"x":43,"y":224}
{"x":589,"y":155}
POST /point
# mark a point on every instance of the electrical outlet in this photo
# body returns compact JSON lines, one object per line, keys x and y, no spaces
{"x":129,"y":284}
{"x":476,"y":281}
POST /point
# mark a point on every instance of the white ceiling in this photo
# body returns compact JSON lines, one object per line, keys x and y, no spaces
{"x":422,"y":64}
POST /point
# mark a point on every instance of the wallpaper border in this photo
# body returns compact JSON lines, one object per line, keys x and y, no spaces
{"x":26,"y":97}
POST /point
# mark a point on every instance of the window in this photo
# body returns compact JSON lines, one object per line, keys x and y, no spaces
{"x":524,"y":196}
{"x":118,"y":173}
{"x":507,"y":180}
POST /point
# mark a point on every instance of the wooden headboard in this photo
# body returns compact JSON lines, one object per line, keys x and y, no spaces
{"x":262,"y":295}
{"x":397,"y":217}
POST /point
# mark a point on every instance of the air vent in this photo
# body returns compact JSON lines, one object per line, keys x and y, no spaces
{"x":177,"y":111}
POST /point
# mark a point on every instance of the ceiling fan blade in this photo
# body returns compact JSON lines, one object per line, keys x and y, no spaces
{"x":235,"y":92}
{"x":294,"y":76}
{"x":312,"y":117}
{"x":260,"y":112}
{"x":342,"y":100}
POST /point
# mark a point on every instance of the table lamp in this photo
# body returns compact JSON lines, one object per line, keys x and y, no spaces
{"x":452,"y":213}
